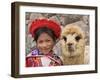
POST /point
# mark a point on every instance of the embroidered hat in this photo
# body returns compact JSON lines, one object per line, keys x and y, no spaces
{"x":39,"y":23}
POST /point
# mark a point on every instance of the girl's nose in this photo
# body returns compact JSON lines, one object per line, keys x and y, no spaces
{"x":44,"y":45}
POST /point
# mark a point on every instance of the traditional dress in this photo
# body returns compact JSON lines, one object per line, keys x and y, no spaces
{"x":37,"y":59}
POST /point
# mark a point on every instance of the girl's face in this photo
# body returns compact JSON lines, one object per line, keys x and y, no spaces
{"x":45,"y":43}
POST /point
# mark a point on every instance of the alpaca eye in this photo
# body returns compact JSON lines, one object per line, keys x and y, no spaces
{"x":65,"y":39}
{"x":77,"y":38}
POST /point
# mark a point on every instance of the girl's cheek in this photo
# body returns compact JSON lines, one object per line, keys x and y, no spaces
{"x":50,"y":45}
{"x":39,"y":45}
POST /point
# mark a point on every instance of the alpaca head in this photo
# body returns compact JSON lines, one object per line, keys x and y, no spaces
{"x":73,"y":37}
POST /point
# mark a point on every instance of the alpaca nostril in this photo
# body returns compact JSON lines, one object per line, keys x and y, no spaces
{"x":70,"y":47}
{"x":70,"y":44}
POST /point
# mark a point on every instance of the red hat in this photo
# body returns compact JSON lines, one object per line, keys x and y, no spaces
{"x":39,"y":23}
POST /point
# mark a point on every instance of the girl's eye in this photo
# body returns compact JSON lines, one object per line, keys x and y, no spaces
{"x":41,"y":41}
{"x":65,"y":39}
{"x":77,"y":38}
{"x":47,"y":40}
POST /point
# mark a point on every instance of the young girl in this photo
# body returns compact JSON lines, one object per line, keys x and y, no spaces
{"x":45,"y":33}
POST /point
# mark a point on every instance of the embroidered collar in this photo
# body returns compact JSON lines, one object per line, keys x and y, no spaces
{"x":50,"y":55}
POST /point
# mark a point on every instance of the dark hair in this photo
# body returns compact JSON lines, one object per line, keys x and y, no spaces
{"x":44,"y":30}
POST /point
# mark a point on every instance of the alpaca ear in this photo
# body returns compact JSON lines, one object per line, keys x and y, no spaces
{"x":55,"y":19}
